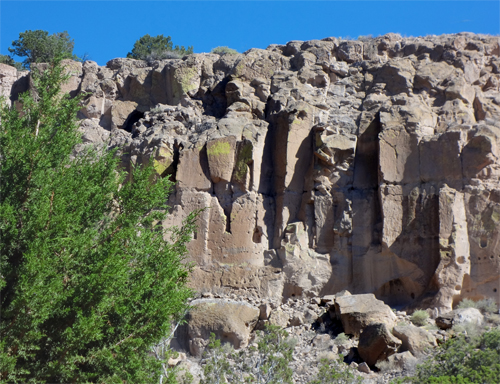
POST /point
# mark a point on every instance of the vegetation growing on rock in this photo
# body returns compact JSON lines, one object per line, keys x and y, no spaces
{"x":40,"y":47}
{"x":88,"y":283}
{"x":222,"y":50}
{"x":157,"y":48}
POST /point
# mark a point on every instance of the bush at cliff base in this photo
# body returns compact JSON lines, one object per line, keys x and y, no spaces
{"x":463,"y":360}
{"x":87,"y":281}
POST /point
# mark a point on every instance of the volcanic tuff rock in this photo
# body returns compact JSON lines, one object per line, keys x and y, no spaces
{"x":369,"y":165}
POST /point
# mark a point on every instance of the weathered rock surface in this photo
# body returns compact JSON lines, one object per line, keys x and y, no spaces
{"x":370,"y":165}
{"x":12,"y":82}
{"x":414,"y":339}
{"x":399,"y":362}
{"x":376,"y":343}
{"x":359,"y":311}
{"x":231,"y":322}
{"x":460,"y":316}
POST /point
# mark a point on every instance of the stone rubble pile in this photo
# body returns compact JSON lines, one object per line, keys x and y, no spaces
{"x":378,"y":351}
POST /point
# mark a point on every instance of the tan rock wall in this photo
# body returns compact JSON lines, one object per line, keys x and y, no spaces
{"x":322,"y":165}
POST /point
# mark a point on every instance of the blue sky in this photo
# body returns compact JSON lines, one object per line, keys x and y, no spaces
{"x":108,"y":29}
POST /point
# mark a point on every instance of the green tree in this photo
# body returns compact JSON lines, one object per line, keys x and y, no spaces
{"x":335,"y":372}
{"x":217,"y":368}
{"x":266,"y":364}
{"x":156,"y":47}
{"x":40,"y":47}
{"x":5,"y":59}
{"x":463,"y":360}
{"x":88,"y":283}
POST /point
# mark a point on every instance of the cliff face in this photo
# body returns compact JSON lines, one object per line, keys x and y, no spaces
{"x":325,"y":165}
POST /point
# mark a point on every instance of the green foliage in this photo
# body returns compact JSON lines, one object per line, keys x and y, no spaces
{"x":485,"y":306}
{"x":88,"y":283}
{"x":335,"y":371}
{"x":419,"y":317}
{"x":5,"y":59}
{"x":40,"y":47}
{"x":162,"y":352}
{"x":157,"y":48}
{"x":464,"y":360}
{"x":217,"y":367}
{"x":275,"y":352}
{"x":224,"y":51}
{"x":341,"y":338}
{"x":268,"y":363}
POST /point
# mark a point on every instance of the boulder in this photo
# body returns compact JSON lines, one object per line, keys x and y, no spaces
{"x":279,"y":318}
{"x":403,"y":361}
{"x":364,"y":368}
{"x":358,"y":311}
{"x":376,"y":343}
{"x":460,"y":316}
{"x":230,"y":321}
{"x":415,"y":340}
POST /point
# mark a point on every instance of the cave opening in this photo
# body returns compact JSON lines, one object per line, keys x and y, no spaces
{"x":133,"y":118}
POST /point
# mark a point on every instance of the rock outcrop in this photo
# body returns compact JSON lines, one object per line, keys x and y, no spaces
{"x":370,"y":165}
{"x":230,"y":321}
{"x":376,"y":343}
{"x":356,"y":312}
{"x":415,"y":339}
{"x":460,"y":316}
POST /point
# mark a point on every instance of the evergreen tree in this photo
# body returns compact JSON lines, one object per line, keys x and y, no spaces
{"x":4,"y":59}
{"x":40,"y":47}
{"x":88,"y":283}
{"x":156,"y":47}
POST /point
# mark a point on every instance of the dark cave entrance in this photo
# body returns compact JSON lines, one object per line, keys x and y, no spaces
{"x":133,"y":118}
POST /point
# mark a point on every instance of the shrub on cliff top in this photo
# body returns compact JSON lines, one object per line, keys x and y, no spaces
{"x":88,"y":283}
{"x":156,"y":46}
{"x":224,"y":51}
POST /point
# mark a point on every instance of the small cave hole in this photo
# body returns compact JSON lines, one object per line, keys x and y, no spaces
{"x":412,"y":295}
{"x":257,"y":235}
{"x":228,"y":221}
{"x":494,"y":289}
{"x":491,"y":257}
{"x":133,"y":118}
{"x":483,"y":242}
{"x":302,"y":115}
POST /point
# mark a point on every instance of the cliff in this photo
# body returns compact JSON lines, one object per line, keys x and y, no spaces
{"x":324,"y":165}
